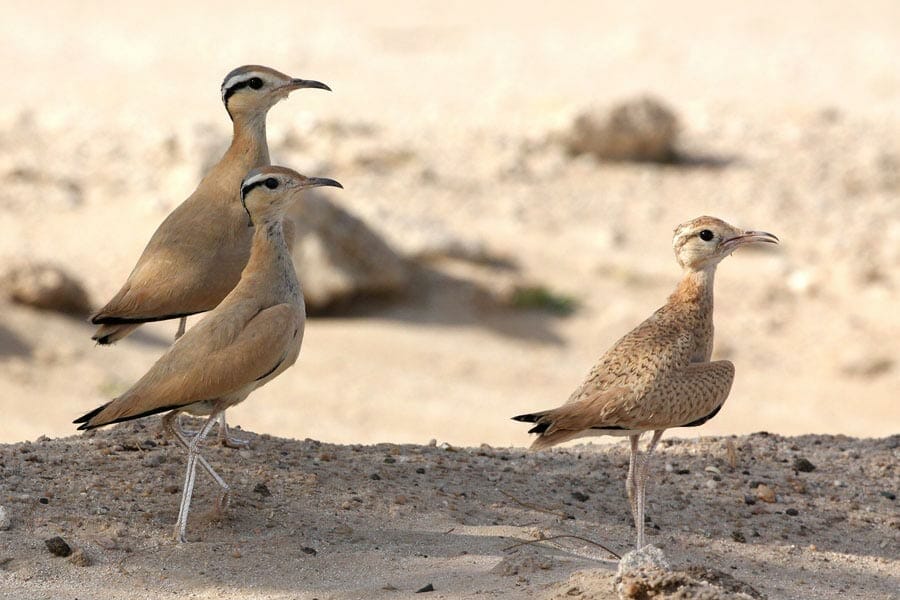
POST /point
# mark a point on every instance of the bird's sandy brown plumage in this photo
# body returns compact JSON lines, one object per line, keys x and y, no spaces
{"x":658,"y":375}
{"x":195,"y":257}
{"x":251,"y":337}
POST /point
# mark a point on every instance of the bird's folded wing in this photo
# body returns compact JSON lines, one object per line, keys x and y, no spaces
{"x":206,"y":366}
{"x":684,"y":396}
{"x":635,"y":362}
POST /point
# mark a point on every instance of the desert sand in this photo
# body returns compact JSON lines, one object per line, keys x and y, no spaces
{"x":443,"y":127}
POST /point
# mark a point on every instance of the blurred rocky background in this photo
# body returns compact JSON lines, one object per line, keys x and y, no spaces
{"x":510,"y":198}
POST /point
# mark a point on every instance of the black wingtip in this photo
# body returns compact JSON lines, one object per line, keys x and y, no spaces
{"x":539,"y":428}
{"x":530,"y":418}
{"x":88,"y":416}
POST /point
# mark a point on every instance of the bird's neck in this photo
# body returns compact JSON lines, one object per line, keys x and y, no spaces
{"x":249,"y":148}
{"x":695,"y":290}
{"x":270,"y":259}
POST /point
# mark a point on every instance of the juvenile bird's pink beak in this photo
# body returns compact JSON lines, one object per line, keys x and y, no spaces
{"x":748,"y":237}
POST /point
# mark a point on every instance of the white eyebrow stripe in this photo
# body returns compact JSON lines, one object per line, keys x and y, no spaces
{"x":240,"y":77}
{"x":256,"y":179}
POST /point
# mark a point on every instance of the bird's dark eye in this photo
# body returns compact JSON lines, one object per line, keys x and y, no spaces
{"x":706,"y":235}
{"x":255,"y":83}
{"x":271,"y":183}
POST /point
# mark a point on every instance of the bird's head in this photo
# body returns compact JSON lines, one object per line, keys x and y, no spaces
{"x":266,"y":192}
{"x":702,"y":242}
{"x":253,"y":89}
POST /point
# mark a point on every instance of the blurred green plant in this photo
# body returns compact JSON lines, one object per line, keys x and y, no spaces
{"x":538,"y":297}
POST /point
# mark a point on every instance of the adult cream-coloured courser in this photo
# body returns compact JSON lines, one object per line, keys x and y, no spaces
{"x":250,"y":338}
{"x":659,"y":375}
{"x":196,"y":255}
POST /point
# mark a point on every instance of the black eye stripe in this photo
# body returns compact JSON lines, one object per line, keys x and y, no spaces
{"x":270,"y":183}
{"x":254,"y":83}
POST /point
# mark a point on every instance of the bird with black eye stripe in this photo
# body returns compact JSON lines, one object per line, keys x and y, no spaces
{"x":659,"y":375}
{"x":196,"y":255}
{"x":250,"y":338}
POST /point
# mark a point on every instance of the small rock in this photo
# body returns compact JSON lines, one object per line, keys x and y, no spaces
{"x":400,"y":499}
{"x":308,"y":550}
{"x":738,"y":536}
{"x":427,"y":588}
{"x":803,"y":465}
{"x":375,"y":477}
{"x":765,"y":493}
{"x":58,"y":546}
{"x":647,"y":557}
{"x":420,"y":470}
{"x":152,"y":460}
{"x":640,"y":129}
{"x":262,"y":490}
{"x":46,"y":287}
{"x":79,"y":558}
{"x":5,"y":519}
{"x":712,"y":469}
{"x":44,"y":500}
{"x":793,"y":512}
{"x":340,"y":258}
{"x":711,"y":484}
{"x":750,"y":500}
{"x":581,"y":496}
{"x":885,"y":494}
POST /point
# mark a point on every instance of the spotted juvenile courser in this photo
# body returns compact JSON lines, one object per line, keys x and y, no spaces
{"x":250,"y":338}
{"x":658,"y":375}
{"x":196,"y":255}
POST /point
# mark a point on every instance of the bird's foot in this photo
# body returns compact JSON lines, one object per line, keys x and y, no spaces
{"x":222,"y":504}
{"x":229,"y":441}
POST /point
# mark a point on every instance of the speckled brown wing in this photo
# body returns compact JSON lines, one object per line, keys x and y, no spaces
{"x":641,"y":357}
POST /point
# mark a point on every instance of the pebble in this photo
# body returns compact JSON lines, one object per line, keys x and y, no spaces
{"x":581,"y":496}
{"x":793,"y":512}
{"x":712,"y":469}
{"x":803,"y":465}
{"x":711,"y":484}
{"x":885,"y":494}
{"x":427,"y":588}
{"x":748,"y":499}
{"x":738,"y":536}
{"x":308,"y":550}
{"x":58,"y":546}
{"x":79,"y":558}
{"x":262,"y":489}
{"x":152,"y":460}
{"x":765,"y":493}
{"x":5,"y":519}
{"x":375,"y":477}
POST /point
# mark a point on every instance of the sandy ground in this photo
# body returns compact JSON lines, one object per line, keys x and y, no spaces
{"x":315,"y":520}
{"x":441,"y":127}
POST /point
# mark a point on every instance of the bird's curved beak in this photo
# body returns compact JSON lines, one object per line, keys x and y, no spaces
{"x":321,"y":182}
{"x":296,"y":84}
{"x":749,"y":237}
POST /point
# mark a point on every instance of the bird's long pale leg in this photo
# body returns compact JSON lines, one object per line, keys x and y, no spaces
{"x":642,"y":472}
{"x":193,"y":454}
{"x":171,"y":425}
{"x":182,"y":323}
{"x":632,"y":472}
